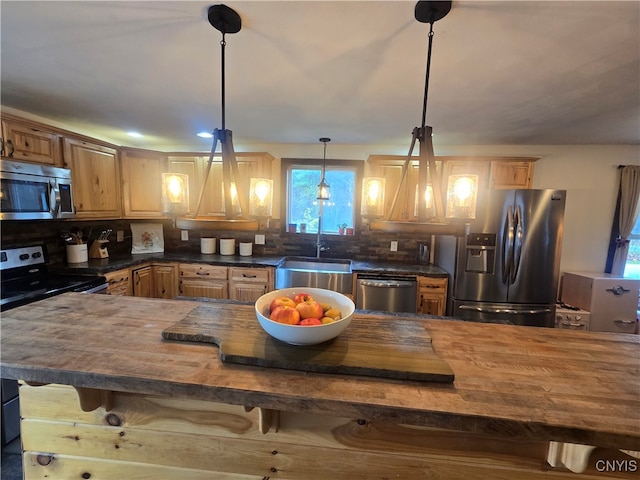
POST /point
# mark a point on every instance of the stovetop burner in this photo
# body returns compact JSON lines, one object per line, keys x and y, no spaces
{"x":25,"y":278}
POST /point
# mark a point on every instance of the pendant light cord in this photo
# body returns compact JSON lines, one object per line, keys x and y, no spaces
{"x":223,"y":44}
{"x":426,"y":81}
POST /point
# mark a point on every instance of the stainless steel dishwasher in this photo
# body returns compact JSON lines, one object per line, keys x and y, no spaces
{"x":386,"y":294}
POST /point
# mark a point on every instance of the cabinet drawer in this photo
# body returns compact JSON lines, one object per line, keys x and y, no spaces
{"x":249,"y":275}
{"x":432,"y":284}
{"x":118,"y":282}
{"x":201,"y":271}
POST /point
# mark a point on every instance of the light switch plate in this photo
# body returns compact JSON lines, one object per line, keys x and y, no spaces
{"x":394,"y":246}
{"x":120,"y":236}
{"x":259,"y":240}
{"x":184,"y":235}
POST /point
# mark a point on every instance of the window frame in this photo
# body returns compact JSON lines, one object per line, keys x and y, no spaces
{"x":635,"y":237}
{"x":286,"y":164}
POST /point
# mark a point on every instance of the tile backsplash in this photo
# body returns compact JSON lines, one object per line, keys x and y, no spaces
{"x":365,"y":246}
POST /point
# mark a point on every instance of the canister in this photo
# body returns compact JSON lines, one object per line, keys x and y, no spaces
{"x":227,"y":246}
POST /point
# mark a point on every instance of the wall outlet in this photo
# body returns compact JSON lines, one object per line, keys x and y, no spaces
{"x":394,"y":246}
{"x":259,"y":239}
{"x":120,"y":236}
{"x":184,"y":235}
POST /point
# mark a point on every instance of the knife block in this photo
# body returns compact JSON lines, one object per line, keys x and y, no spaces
{"x":99,"y":249}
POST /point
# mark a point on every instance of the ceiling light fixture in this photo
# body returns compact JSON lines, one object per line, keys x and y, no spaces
{"x":429,"y":179}
{"x":226,"y":21}
{"x":323,"y":186}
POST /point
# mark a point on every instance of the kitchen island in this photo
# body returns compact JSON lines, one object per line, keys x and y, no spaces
{"x":106,"y":397}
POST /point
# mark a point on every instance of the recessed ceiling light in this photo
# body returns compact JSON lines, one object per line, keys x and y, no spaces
{"x":205,"y":134}
{"x":135,"y":134}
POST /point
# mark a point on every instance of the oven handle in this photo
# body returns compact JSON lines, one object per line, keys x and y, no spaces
{"x":97,"y":289}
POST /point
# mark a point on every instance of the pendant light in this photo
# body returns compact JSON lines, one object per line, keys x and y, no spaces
{"x":428,"y":174}
{"x":323,"y":186}
{"x":226,"y":21}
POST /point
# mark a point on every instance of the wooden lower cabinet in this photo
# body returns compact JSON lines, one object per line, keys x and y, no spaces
{"x":249,"y":284}
{"x":118,"y":282}
{"x":432,"y":295}
{"x":151,"y":437}
{"x":205,"y":281}
{"x":155,"y":280}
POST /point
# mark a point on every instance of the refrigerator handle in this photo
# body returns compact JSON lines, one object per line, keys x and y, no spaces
{"x":507,"y":245}
{"x":503,"y":310}
{"x":518,"y":236}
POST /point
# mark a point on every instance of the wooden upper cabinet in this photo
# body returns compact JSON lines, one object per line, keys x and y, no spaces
{"x":96,"y":178}
{"x":142,"y":182}
{"x":507,"y":174}
{"x":250,"y":164}
{"x":30,"y":142}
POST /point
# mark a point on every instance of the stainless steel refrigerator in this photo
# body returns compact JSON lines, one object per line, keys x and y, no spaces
{"x":507,"y":266}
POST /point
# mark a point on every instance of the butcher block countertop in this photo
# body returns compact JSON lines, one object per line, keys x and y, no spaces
{"x":520,"y":382}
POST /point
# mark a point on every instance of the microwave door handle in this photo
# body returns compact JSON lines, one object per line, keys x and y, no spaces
{"x":56,"y":200}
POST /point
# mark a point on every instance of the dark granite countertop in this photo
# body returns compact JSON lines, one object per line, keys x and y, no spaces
{"x":120,"y":261}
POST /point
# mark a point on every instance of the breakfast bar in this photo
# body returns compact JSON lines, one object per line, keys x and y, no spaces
{"x":104,"y":395}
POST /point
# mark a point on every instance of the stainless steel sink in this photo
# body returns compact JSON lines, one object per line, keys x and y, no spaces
{"x":318,"y":265}
{"x":315,"y":272}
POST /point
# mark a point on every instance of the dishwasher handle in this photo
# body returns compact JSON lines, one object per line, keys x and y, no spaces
{"x":387,"y":283}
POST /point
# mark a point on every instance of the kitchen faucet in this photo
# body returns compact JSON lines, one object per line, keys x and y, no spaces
{"x":319,"y":246}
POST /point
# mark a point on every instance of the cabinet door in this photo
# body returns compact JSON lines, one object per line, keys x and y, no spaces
{"x":142,"y":182}
{"x":202,"y":280}
{"x":432,"y":295}
{"x":95,"y":174}
{"x":507,"y":174}
{"x":118,"y":282}
{"x":194,"y":287}
{"x":249,"y":284}
{"x":165,"y":281}
{"x":142,"y":282}
{"x":30,"y":143}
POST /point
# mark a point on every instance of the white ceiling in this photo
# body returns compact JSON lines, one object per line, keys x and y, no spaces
{"x":503,"y":72}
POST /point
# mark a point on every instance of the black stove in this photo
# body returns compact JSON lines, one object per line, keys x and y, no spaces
{"x":25,"y":278}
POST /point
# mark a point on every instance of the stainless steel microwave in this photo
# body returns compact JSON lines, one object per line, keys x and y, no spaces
{"x":35,"y":192}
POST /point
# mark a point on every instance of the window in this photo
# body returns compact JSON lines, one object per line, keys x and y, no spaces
{"x":301,"y":207}
{"x":632,"y":267}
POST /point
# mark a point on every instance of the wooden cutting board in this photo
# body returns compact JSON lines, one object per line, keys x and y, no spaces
{"x":370,"y":346}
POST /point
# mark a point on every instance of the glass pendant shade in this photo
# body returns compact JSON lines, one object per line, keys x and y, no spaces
{"x":462,"y":193}
{"x":235,"y":203}
{"x":427,"y":198}
{"x":175,"y":193}
{"x":372,"y":204}
{"x":260,"y":197}
{"x":323,"y":190}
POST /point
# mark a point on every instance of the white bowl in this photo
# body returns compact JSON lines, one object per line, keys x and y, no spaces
{"x":300,"y":334}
